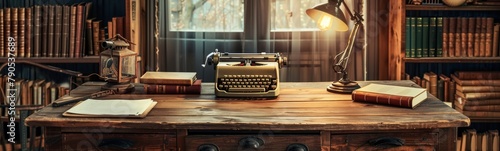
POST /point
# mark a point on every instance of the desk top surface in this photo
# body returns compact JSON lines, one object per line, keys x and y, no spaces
{"x":300,"y":106}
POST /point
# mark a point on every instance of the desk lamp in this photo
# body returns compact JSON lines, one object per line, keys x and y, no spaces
{"x":329,"y":16}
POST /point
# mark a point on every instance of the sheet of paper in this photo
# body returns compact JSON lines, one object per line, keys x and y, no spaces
{"x":111,"y":107}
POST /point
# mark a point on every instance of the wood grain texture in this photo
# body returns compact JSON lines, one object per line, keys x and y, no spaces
{"x":396,"y":50}
{"x":301,"y":106}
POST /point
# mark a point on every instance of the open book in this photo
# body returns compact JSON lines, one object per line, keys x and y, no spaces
{"x":111,"y":108}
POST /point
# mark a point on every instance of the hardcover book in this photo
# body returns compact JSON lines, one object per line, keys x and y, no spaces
{"x":408,"y":97}
{"x":173,"y":89}
{"x":171,"y":78}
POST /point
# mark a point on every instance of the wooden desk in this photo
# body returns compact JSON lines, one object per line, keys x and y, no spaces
{"x":304,"y":113}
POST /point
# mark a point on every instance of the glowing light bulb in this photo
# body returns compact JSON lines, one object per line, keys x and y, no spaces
{"x":325,"y":22}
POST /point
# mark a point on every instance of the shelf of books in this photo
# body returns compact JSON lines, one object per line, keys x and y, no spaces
{"x":447,"y":8}
{"x":86,"y":59}
{"x":453,"y":60}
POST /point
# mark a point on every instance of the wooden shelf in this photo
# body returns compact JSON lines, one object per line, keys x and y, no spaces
{"x":89,"y":59}
{"x":453,"y":60}
{"x":448,"y":8}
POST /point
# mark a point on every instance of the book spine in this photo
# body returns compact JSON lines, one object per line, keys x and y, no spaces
{"x":79,"y":28}
{"x":488,"y":37}
{"x":44,"y":32}
{"x":440,"y":35}
{"x":458,"y":37}
{"x":36,"y":31}
{"x":7,"y":30}
{"x":22,"y":27}
{"x":28,"y":33}
{"x":478,"y":95}
{"x":477,"y":75}
{"x":88,"y":40}
{"x":57,"y":31}
{"x":65,"y":31}
{"x":470,"y":36}
{"x":408,"y":37}
{"x":72,"y":32}
{"x":446,"y":87}
{"x":466,"y":89}
{"x":95,"y":37}
{"x":463,"y":36}
{"x":477,"y":32}
{"x":482,"y":36}
{"x":400,"y":101}
{"x":425,"y":36}
{"x":413,"y":28}
{"x":432,"y":37}
{"x":14,"y":28}
{"x":50,"y":45}
{"x":451,"y":36}
{"x":496,"y":34}
{"x":419,"y":38}
{"x":491,"y":108}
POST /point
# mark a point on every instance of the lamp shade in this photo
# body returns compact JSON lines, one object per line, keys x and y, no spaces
{"x":328,"y":16}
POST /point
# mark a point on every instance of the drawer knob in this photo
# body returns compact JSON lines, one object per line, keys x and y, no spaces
{"x":251,"y":143}
{"x":208,"y":147}
{"x":297,"y":147}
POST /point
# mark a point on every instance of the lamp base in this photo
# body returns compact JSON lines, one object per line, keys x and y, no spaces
{"x":119,"y":88}
{"x":343,"y":87}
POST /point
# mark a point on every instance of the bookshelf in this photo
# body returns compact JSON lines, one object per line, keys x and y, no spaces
{"x":88,"y":59}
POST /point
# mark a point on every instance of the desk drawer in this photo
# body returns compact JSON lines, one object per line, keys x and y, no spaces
{"x":243,"y":142}
{"x":118,"y":141}
{"x":409,"y":141}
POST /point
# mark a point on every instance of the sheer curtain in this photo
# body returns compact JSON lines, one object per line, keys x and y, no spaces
{"x":310,"y":53}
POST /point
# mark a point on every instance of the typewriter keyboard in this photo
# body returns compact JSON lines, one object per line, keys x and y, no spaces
{"x":247,"y":83}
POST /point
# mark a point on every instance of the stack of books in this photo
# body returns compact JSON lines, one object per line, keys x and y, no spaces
{"x":477,"y":94}
{"x":171,"y":83}
{"x":473,"y":140}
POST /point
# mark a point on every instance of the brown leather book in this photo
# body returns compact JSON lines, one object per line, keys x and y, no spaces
{"x":127,"y":20}
{"x":102,"y":35}
{"x":15,"y":28}
{"x":50,"y":32}
{"x":89,"y":48}
{"x":463,"y":36}
{"x":470,"y":36}
{"x":2,"y":48}
{"x":117,"y":25}
{"x":432,"y":78}
{"x":65,"y":35}
{"x":72,"y":32}
{"x":490,"y":108}
{"x":172,"y":78}
{"x":37,"y":29}
{"x":21,"y":23}
{"x":44,"y":34}
{"x":446,"y":86}
{"x":417,"y":80}
{"x":479,"y":114}
{"x":477,"y":38}
{"x":6,"y":23}
{"x":487,"y":82}
{"x":111,"y":30}
{"x":79,"y":31}
{"x":496,"y":34}
{"x":477,"y":75}
{"x":173,"y":89}
{"x":58,"y":31}
{"x":28,"y":32}
{"x":452,"y":28}
{"x":482,"y":36}
{"x":446,"y":31}
{"x":488,"y":37}
{"x":458,"y":37}
{"x":478,"y":95}
{"x":467,"y":89}
{"x":95,"y":37}
{"x":408,"y":97}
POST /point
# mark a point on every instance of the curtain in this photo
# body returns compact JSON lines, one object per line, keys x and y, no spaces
{"x":310,"y":53}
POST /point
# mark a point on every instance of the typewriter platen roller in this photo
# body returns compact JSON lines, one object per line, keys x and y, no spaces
{"x":246,"y":74}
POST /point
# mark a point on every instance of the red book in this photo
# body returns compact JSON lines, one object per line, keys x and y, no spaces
{"x":173,"y":89}
{"x":400,"y":96}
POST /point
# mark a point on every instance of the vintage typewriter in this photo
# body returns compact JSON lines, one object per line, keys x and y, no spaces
{"x":246,"y":74}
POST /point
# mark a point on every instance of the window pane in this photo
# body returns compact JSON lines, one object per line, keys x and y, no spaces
{"x":206,"y":15}
{"x":290,"y":15}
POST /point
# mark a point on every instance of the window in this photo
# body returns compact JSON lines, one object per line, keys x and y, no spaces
{"x":206,"y":15}
{"x":289,"y":15}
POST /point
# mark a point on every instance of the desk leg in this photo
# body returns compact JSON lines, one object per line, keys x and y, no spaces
{"x":53,"y":138}
{"x":181,"y":139}
{"x":447,"y":139}
{"x":24,"y":130}
{"x":326,"y":140}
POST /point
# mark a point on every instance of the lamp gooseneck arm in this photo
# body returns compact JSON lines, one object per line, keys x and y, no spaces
{"x":343,"y":61}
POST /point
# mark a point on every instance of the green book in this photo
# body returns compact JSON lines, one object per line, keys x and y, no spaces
{"x":439,"y":37}
{"x":419,"y":37}
{"x":425,"y":37}
{"x":413,"y":36}
{"x":432,"y":37}
{"x":408,"y":38}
